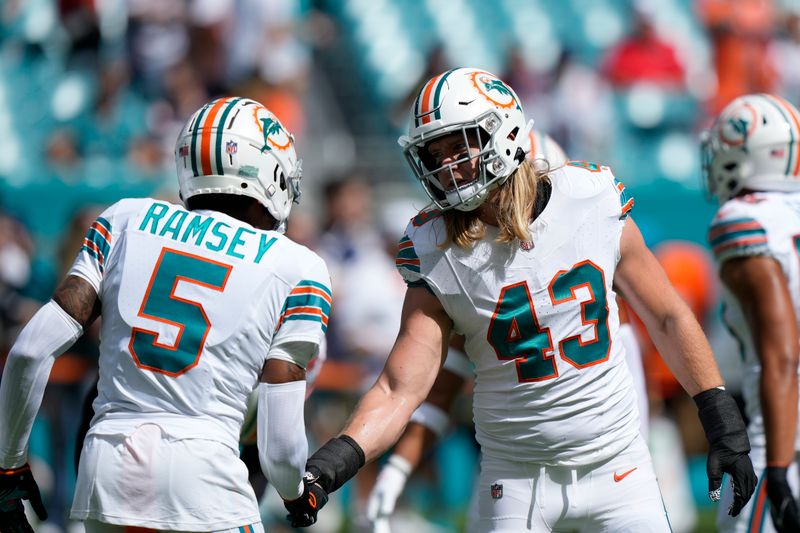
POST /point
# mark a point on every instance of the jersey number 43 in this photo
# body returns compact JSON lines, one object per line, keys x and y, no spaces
{"x":516,"y":334}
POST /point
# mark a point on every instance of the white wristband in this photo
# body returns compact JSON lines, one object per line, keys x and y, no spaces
{"x":432,"y":417}
{"x":400,"y":463}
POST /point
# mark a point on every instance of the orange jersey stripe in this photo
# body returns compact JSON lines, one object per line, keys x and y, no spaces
{"x":311,"y":290}
{"x":404,"y":245}
{"x":304,"y":311}
{"x":740,"y":242}
{"x":93,"y":246}
{"x":406,"y":262}
{"x":716,"y":232}
{"x":102,"y":230}
{"x":205,"y":143}
{"x":628,"y":206}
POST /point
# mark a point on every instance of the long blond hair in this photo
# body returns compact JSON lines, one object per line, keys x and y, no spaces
{"x":513,"y":204}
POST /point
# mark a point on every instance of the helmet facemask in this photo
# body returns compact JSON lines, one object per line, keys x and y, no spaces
{"x":489,"y":169}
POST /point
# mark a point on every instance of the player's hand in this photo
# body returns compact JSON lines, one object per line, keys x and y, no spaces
{"x":17,"y":484}
{"x":388,"y":486}
{"x":303,"y":510}
{"x":782,"y":505}
{"x":728,"y":447}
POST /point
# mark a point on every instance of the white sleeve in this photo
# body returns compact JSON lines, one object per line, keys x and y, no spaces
{"x":45,"y":337}
{"x":97,"y":244}
{"x":305,"y":312}
{"x":282,"y":444}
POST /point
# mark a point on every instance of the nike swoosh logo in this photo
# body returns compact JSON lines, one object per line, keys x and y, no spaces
{"x":620,"y":477}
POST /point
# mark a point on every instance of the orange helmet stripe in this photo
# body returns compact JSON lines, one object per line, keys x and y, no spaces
{"x":205,"y":142}
{"x":794,"y":127}
{"x":793,"y":113}
{"x":426,"y":100}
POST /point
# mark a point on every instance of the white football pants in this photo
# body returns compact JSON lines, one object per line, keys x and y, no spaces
{"x":618,"y":495}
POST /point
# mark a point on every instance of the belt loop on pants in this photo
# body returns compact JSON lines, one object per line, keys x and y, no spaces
{"x":573,"y":497}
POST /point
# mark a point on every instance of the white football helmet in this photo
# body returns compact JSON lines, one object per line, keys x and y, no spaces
{"x":486,"y":112}
{"x":237,"y":146}
{"x":753,"y":144}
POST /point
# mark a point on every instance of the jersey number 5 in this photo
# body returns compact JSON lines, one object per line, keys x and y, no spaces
{"x":515,"y":332}
{"x":162,"y":305}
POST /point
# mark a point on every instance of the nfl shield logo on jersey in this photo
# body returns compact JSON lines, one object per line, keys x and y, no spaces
{"x":497,"y":491}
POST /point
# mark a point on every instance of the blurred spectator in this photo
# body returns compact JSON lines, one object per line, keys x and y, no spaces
{"x":16,"y":251}
{"x":80,"y":21}
{"x":643,"y":57}
{"x":582,"y":110}
{"x":741,"y":31}
{"x":158,"y":39}
{"x":785,"y":52}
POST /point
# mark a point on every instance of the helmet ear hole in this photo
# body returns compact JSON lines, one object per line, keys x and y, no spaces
{"x":282,"y":180}
{"x":730,"y":167}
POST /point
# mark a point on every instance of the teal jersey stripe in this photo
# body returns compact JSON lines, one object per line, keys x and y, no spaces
{"x":732,"y":236}
{"x":407,"y":253}
{"x":723,"y":223}
{"x":791,"y":132}
{"x":101,"y":242}
{"x":220,"y":129}
{"x":309,"y":283}
{"x":93,"y":254}
{"x":193,"y":144}
{"x":412,"y":268}
{"x":438,"y":113}
{"x":105,"y":223}
{"x":308,"y":300}
{"x":308,"y":318}
{"x":404,"y":239}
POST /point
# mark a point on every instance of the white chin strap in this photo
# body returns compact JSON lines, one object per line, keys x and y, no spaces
{"x":467,"y":198}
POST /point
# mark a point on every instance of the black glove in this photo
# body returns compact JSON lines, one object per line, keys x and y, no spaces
{"x":782,"y":505}
{"x":303,"y":511}
{"x":728,"y":447}
{"x":17,"y":484}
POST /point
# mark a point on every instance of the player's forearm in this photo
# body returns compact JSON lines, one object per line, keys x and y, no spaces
{"x":681,"y":342}
{"x":779,"y":393}
{"x":282,"y":445}
{"x":380,"y":419}
{"x":46,"y":336}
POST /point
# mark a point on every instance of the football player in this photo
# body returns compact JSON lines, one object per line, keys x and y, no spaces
{"x":526,"y":267}
{"x":201,"y":303}
{"x":429,"y":422}
{"x":751,"y":165}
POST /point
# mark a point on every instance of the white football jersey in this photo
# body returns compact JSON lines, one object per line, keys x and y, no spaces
{"x":768,"y":224}
{"x":540,"y":321}
{"x":193,"y":304}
